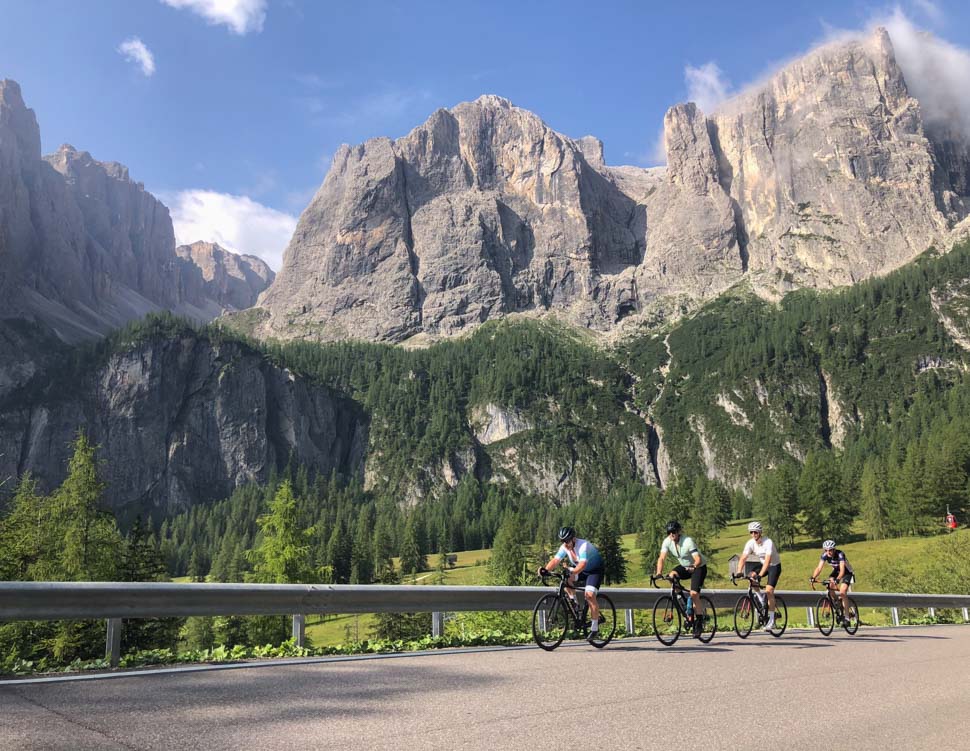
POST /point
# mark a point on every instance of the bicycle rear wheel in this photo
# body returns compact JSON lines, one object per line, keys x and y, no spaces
{"x":743,"y":616}
{"x":607,"y":624}
{"x":666,"y":620}
{"x":852,"y":617}
{"x":824,"y":616}
{"x":781,"y":617}
{"x":708,"y":621}
{"x":550,"y":621}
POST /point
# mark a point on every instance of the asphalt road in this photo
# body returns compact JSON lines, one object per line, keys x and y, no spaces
{"x":884,"y":688}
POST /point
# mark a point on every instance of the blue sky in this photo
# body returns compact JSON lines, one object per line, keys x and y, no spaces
{"x":234,"y":118}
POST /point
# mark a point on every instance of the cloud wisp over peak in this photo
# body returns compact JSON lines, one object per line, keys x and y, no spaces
{"x":134,"y":51}
{"x":237,"y":223}
{"x":241,"y":16}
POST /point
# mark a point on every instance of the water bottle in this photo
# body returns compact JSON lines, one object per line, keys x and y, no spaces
{"x":690,"y":607}
{"x":761,"y":598}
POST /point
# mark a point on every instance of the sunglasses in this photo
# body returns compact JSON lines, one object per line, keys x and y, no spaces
{"x":753,"y":532}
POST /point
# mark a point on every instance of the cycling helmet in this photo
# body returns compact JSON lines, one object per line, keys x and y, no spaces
{"x":673,"y":526}
{"x":566,"y":534}
{"x":828,"y":545}
{"x":754,"y":527}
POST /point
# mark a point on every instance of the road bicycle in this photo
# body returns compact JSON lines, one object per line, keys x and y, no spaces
{"x":828,"y":610}
{"x":554,"y":616}
{"x":672,"y":614}
{"x":755,"y":603}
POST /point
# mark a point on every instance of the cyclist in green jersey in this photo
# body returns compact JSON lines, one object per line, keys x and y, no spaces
{"x":691,"y":564}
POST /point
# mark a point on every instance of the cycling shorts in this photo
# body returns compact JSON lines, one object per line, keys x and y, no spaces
{"x":591,"y":580}
{"x":849,"y":578}
{"x":770,"y":578}
{"x":697,"y":576}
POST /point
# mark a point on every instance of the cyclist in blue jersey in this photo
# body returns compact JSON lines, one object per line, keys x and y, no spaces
{"x":842,"y":573}
{"x":585,"y":562}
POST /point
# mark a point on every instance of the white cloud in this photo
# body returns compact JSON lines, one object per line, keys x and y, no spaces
{"x":135,"y":51}
{"x":242,"y":16}
{"x":237,"y":223}
{"x":706,"y":86}
{"x":930,"y":9}
{"x":936,"y":73}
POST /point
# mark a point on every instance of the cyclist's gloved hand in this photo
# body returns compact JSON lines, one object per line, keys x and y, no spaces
{"x":543,"y":571}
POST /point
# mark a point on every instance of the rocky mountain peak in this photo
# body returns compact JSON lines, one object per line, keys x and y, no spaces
{"x":233,"y":281}
{"x":19,"y":132}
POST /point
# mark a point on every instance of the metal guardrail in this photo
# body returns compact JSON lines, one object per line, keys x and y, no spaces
{"x":113,"y":601}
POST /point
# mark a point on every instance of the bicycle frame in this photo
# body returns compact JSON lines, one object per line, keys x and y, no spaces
{"x":755,"y":589}
{"x":678,"y":593}
{"x":833,"y":595}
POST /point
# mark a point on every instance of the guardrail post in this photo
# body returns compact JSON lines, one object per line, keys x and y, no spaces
{"x":895,"y":612}
{"x":932,"y":612}
{"x":811,"y":617}
{"x":966,"y":614}
{"x":112,"y":644}
{"x":299,"y":629}
{"x":437,"y":624}
{"x":630,"y":627}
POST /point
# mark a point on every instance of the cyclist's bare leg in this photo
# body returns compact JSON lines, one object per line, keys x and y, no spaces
{"x":844,"y":596}
{"x":594,"y":610}
{"x":770,"y":591}
{"x":695,"y":597}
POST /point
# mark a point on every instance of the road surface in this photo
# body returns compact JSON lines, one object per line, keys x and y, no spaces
{"x":903,"y":688}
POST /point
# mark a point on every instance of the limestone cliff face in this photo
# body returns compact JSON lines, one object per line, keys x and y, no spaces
{"x":83,"y":248}
{"x":228,"y":280}
{"x":829,"y":167}
{"x":482,"y":211}
{"x":821,"y":176}
{"x":182,"y":421}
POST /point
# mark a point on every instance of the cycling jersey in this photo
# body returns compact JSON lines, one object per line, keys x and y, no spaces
{"x":761,"y":550}
{"x":584,"y":550}
{"x":683,"y":552}
{"x":837,"y":557}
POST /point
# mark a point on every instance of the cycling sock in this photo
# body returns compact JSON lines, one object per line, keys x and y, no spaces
{"x":595,"y":625}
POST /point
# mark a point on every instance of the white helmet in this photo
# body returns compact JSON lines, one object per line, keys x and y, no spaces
{"x":828,"y":545}
{"x":754,"y":527}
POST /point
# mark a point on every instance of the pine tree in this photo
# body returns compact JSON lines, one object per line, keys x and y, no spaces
{"x":88,"y":531}
{"x":412,"y":559}
{"x":874,"y":503}
{"x":607,"y":540}
{"x":775,"y":503}
{"x":283,"y":554}
{"x":510,"y":553}
{"x":826,"y":509}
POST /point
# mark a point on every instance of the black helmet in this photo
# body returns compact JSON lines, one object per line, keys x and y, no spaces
{"x":566,"y":534}
{"x":673,"y":526}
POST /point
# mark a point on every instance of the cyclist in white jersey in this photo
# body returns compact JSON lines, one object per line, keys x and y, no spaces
{"x":767,"y":563}
{"x":586,"y":563}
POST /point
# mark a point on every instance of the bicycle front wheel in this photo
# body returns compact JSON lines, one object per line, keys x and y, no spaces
{"x":824,"y":615}
{"x":708,"y":621}
{"x":550,"y":621}
{"x":607,"y":624}
{"x":743,"y":616}
{"x":666,"y":620}
{"x":852,"y":618}
{"x":781,"y":617}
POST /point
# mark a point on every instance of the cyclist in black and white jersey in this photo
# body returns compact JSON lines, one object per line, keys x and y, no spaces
{"x":842,"y":573}
{"x":767,"y":562}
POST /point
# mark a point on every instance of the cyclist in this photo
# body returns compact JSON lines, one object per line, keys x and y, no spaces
{"x":842,"y":573}
{"x":767,"y":563}
{"x":691,"y":564}
{"x":587,"y":563}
